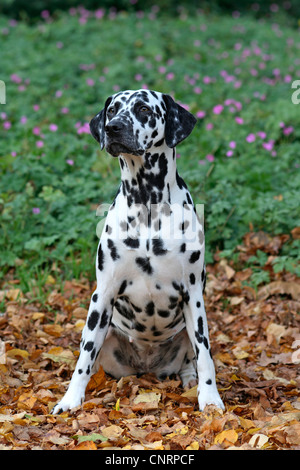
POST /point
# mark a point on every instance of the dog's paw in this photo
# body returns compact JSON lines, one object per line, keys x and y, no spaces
{"x":209,"y":397}
{"x":68,"y":402}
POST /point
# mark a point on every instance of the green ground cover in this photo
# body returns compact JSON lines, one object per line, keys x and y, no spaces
{"x":242,"y":161}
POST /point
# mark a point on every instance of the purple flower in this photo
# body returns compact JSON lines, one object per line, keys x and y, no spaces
{"x":70,"y":162}
{"x":218,"y":109}
{"x":36,"y":210}
{"x":229,"y":153}
{"x":200,"y":114}
{"x":239,"y":120}
{"x":39,"y":144}
{"x":250,"y":138}
{"x":288,"y":130}
{"x":53,"y":127}
{"x":210,"y":157}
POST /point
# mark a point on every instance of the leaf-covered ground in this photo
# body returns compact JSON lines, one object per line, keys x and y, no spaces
{"x":255,"y":340}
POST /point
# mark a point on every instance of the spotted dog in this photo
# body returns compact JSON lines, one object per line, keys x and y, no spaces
{"x":147,"y":313}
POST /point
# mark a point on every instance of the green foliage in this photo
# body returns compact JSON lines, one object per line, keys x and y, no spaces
{"x":59,"y":73}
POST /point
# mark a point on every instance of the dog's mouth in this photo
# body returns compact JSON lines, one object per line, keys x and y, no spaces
{"x":115,"y":149}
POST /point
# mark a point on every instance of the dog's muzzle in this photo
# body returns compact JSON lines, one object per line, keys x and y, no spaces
{"x":120,"y":139}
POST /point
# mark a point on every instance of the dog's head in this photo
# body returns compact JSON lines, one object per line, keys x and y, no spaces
{"x":132,"y":122}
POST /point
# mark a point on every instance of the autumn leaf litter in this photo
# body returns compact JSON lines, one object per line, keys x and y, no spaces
{"x":255,"y":340}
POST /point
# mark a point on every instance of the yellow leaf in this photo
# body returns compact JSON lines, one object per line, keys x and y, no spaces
{"x":37,"y":315}
{"x":117,"y":407}
{"x":53,"y":330}
{"x":229,"y":435}
{"x":246,"y":423}
{"x":240,"y":354}
{"x":191,"y":393}
{"x":17,"y":352}
{"x":50,"y":279}
{"x":193,"y":446}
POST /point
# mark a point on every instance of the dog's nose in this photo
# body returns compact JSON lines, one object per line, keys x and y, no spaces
{"x":115,"y":126}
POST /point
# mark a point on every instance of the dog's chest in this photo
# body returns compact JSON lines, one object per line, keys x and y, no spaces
{"x":144,"y":254}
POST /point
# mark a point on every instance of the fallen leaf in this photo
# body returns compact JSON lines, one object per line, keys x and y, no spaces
{"x":86,"y":445}
{"x":112,"y":432}
{"x":280,"y":287}
{"x":229,"y":435}
{"x":258,"y":440}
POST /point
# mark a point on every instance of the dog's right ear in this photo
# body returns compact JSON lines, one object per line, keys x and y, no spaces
{"x":97,"y":124}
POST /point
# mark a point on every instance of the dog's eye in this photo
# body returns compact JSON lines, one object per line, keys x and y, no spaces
{"x":144,"y":109}
{"x":111,"y":111}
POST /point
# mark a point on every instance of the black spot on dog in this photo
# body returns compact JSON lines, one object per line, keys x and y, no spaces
{"x":93,"y":319}
{"x":192,"y":278}
{"x":194,"y":256}
{"x":150,"y":309}
{"x":95,"y":298}
{"x":104,"y":319}
{"x":158,"y":247}
{"x":89,"y":346}
{"x":113,"y":250}
{"x":123,"y":287}
{"x":132,"y":242}
{"x":100,"y":258}
{"x":144,"y":264}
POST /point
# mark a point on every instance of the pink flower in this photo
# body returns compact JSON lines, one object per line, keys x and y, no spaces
{"x":83,"y":129}
{"x":229,"y":153}
{"x":39,"y":144}
{"x":23,"y":120}
{"x":170,"y":76}
{"x":239,"y":120}
{"x":36,"y":107}
{"x":288,"y":130}
{"x":197,"y":90}
{"x":64,"y":110}
{"x":70,"y":162}
{"x":261,"y":134}
{"x":7,"y":125}
{"x":36,"y":210}
{"x":209,"y":126}
{"x":36,"y":130}
{"x":53,"y":127}
{"x":90,"y":82}
{"x":15,"y":78}
{"x":232,"y":144}
{"x":268,"y":145}
{"x":200,"y":114}
{"x":138,"y":77}
{"x":218,"y":109}
{"x":250,"y":138}
{"x":206,"y":79}
{"x":13,"y":154}
{"x":210,"y":157}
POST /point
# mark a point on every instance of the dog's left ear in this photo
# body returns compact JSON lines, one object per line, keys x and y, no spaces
{"x":179,"y":122}
{"x":97,"y":124}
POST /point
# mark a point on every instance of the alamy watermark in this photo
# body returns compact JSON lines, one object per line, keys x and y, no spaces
{"x":173,"y":222}
{"x":2,"y":92}
{"x":296,"y":94}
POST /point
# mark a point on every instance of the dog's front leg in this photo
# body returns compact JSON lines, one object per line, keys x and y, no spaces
{"x":196,"y":324}
{"x":93,"y":336}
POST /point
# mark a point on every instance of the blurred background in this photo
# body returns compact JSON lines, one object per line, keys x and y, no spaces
{"x":231,"y":63}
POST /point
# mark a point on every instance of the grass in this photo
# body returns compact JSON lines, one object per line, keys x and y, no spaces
{"x":242,"y":160}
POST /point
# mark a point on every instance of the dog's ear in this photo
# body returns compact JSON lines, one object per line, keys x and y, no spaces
{"x":179,"y":122}
{"x":97,"y":124}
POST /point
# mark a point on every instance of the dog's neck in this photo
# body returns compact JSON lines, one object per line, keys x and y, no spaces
{"x":150,"y":178}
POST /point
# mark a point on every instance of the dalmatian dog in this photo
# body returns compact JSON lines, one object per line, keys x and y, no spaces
{"x":147,"y":313}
